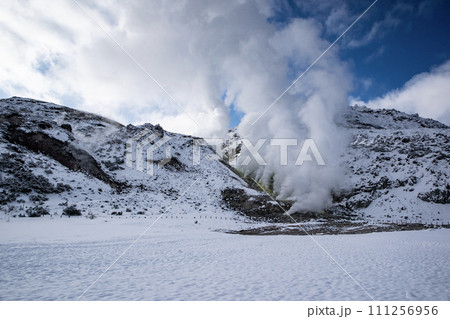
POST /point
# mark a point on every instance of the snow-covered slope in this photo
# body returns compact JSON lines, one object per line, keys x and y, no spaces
{"x":54,"y":157}
{"x":397,"y":167}
{"x":362,"y":117}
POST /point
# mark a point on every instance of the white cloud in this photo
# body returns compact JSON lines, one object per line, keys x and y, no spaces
{"x":425,"y":94}
{"x":197,"y":50}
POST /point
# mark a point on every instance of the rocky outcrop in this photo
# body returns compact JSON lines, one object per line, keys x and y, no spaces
{"x":438,"y":196}
{"x":66,"y":153}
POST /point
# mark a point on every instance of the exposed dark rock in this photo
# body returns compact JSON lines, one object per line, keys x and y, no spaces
{"x":264,"y":208}
{"x":67,"y":127}
{"x":18,"y":179}
{"x":359,"y":202}
{"x":261,"y":207}
{"x":65,"y":153}
{"x":438,"y":196}
{"x":333,"y":228}
{"x":173,"y":164}
{"x":44,"y":125}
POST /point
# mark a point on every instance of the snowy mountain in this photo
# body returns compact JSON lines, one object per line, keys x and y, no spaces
{"x":56,"y":160}
{"x":397,"y":167}
{"x":53,"y":157}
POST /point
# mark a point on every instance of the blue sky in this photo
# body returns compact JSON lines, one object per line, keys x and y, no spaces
{"x":416,"y":44}
{"x":412,"y":37}
{"x":397,"y":55}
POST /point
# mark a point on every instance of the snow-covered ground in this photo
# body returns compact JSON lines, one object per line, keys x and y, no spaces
{"x":178,"y":259}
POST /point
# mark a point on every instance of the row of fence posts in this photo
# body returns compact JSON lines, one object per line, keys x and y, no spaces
{"x":178,"y":216}
{"x":186,"y":216}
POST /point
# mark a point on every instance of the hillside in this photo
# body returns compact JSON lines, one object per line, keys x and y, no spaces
{"x":398,"y":166}
{"x":53,"y":157}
